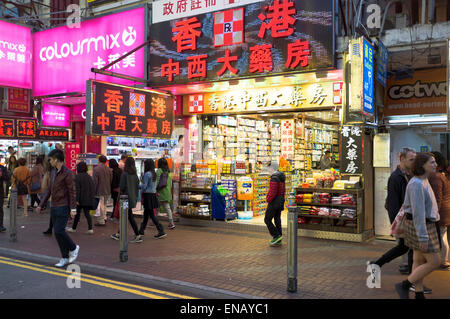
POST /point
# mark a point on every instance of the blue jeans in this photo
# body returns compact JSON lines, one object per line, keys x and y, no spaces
{"x":59,"y":218}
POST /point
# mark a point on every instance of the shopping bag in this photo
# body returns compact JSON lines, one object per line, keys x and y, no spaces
{"x":397,"y":226}
{"x":100,"y":206}
{"x":116,"y":211}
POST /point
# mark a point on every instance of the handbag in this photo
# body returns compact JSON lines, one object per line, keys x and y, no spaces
{"x":22,"y":189}
{"x":162,"y":181}
{"x":397,"y":227}
{"x":35,"y":186}
{"x":116,"y":211}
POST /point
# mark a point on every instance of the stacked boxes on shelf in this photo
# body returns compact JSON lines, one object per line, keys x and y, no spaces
{"x":261,"y":188}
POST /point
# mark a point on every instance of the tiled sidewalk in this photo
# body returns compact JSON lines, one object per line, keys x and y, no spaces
{"x":238,"y":261}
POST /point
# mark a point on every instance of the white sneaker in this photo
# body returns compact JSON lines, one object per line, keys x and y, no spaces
{"x":74,"y":254}
{"x":90,"y":232}
{"x":62,"y":262}
{"x":71,"y":230}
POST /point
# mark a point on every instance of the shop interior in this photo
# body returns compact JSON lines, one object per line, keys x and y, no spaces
{"x":236,"y":148}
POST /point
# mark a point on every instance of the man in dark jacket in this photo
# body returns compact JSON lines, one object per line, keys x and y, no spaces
{"x":102,"y":183}
{"x":275,"y":200}
{"x":396,"y":195}
{"x":4,"y":177}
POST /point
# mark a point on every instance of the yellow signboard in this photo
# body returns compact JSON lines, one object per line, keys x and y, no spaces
{"x":266,"y":99}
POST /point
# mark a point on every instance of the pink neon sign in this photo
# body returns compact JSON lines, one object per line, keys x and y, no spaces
{"x":15,"y":55}
{"x":63,"y":57}
{"x":55,"y":115}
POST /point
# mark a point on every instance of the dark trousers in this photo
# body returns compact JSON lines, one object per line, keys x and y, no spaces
{"x":35,"y":199}
{"x":85,"y":209}
{"x":60,"y":216}
{"x":149,"y":212}
{"x":273,"y":211}
{"x":2,"y":201}
{"x":396,"y":252}
{"x":132,"y":222}
{"x":115,"y":197}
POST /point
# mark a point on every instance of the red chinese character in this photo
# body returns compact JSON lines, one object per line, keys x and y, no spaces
{"x":152,"y":127}
{"x":170,"y":69}
{"x":280,"y":14}
{"x":186,"y":37}
{"x":226,"y":61}
{"x":158,"y":107}
{"x":9,"y":131}
{"x":103,"y":121}
{"x":261,"y":58}
{"x":166,"y":128}
{"x":197,"y":66}
{"x":119,"y":123}
{"x":196,"y":4}
{"x":113,"y":101}
{"x":210,"y":3}
{"x":181,"y":6}
{"x":298,"y":53}
{"x":136,"y":125}
{"x":168,"y":8}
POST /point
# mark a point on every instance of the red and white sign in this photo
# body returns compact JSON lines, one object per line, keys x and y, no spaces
{"x":72,"y":151}
{"x":337,"y":92}
{"x":229,"y":27}
{"x":196,"y":103}
{"x":166,"y":10}
{"x":287,"y":138}
{"x":19,"y":100}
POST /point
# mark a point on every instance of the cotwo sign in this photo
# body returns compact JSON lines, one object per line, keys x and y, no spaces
{"x":63,"y":56}
{"x":125,"y":111}
{"x":15,"y":55}
{"x":258,"y":39}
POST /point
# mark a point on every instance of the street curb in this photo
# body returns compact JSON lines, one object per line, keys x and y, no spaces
{"x":127,"y":275}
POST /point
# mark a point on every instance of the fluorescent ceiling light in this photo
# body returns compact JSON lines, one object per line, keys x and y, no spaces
{"x":428,"y":119}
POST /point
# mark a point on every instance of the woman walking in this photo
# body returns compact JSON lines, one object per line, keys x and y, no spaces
{"x":21,"y":181}
{"x":421,"y":227}
{"x":148,"y":188}
{"x":37,"y":174}
{"x":85,"y":197}
{"x":117,"y":172}
{"x":440,"y":182}
{"x":11,"y":166}
{"x":164,"y":189}
{"x":129,"y":185}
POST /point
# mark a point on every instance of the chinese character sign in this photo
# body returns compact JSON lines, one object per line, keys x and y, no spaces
{"x":287,"y":138}
{"x":55,"y":115}
{"x":7,"y":128}
{"x":256,"y":39}
{"x":52,"y":135}
{"x":26,"y":129}
{"x":382,"y":63}
{"x":19,"y":100}
{"x":125,"y":111}
{"x":352,"y":150}
{"x":15,"y":55}
{"x":61,"y":51}
{"x":367,"y":78}
{"x":72,"y":152}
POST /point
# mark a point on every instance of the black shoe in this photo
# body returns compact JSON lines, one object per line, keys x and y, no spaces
{"x":426,"y":290}
{"x":161,"y":235}
{"x":47,"y":232}
{"x":2,"y":229}
{"x":402,"y":292}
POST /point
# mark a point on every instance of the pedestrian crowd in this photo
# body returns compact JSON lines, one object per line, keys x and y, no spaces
{"x":51,"y":184}
{"x":418,"y":205}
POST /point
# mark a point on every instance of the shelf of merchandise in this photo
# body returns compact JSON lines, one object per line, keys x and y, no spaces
{"x":195,"y":201}
{"x":327,"y":224}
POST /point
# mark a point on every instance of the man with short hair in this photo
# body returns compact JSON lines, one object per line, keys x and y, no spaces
{"x":122,"y":161}
{"x":326,"y":162}
{"x":395,"y":197}
{"x":62,"y":191}
{"x":102,"y":185}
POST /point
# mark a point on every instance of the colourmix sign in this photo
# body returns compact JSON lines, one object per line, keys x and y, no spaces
{"x":125,"y":111}
{"x":63,"y":57}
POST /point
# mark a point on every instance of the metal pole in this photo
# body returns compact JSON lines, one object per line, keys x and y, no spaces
{"x":292,"y":249}
{"x":13,"y":215}
{"x":123,"y":228}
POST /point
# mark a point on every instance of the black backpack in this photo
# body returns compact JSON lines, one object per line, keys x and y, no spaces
{"x":22,"y":189}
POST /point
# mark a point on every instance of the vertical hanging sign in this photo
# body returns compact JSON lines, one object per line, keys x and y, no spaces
{"x":287,"y":139}
{"x":352,"y":150}
{"x":367,"y":98}
{"x":72,"y":151}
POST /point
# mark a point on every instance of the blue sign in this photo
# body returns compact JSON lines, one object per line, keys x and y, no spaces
{"x":382,"y":64}
{"x":367,"y":78}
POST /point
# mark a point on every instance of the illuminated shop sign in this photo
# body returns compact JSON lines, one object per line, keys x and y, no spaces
{"x":258,"y":39}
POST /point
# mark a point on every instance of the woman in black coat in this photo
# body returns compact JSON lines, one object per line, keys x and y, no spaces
{"x":117,"y":172}
{"x":85,"y":196}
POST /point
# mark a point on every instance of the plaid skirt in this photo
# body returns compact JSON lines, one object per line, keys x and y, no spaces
{"x":412,"y":241}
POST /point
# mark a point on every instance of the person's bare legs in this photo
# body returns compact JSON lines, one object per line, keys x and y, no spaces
{"x":420,"y":271}
{"x":419,"y":260}
{"x":25,"y":205}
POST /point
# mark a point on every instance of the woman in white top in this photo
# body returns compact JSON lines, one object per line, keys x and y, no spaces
{"x":421,"y":227}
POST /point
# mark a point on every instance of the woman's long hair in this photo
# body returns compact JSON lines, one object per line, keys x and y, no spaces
{"x":130,"y":166}
{"x":149,"y":165}
{"x":163,"y":165}
{"x":113,"y":163}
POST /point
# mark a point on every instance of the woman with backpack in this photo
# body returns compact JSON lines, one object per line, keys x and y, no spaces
{"x":129,"y":185}
{"x":148,"y":188}
{"x":164,"y":188}
{"x":21,"y":181}
{"x":85,"y":197}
